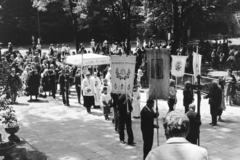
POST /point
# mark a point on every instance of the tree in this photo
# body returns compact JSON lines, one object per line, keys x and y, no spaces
{"x":74,"y":7}
{"x":177,"y":16}
{"x":18,"y":22}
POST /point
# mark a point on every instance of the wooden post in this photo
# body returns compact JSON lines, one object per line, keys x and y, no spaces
{"x":155,"y":57}
{"x":198,"y":103}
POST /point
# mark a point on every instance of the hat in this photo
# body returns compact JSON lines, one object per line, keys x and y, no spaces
{"x":88,"y":73}
{"x":105,"y":80}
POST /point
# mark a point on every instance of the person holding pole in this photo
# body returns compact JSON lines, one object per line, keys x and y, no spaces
{"x":125,"y":109}
{"x":147,"y":126}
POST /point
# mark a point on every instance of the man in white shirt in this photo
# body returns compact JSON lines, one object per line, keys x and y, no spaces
{"x":98,"y":84}
{"x":177,"y":147}
{"x":89,"y":92}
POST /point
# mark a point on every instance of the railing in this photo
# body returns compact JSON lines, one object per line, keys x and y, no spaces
{"x":205,"y":81}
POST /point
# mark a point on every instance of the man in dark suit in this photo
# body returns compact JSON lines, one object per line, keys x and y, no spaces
{"x":77,"y":81}
{"x":147,"y":126}
{"x":195,"y":123}
{"x":125,"y":109}
{"x":215,"y":99}
{"x":64,"y":87}
{"x":53,"y":82}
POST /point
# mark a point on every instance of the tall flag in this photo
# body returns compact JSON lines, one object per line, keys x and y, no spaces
{"x":178,"y":65}
{"x":197,"y":61}
{"x":122,"y":73}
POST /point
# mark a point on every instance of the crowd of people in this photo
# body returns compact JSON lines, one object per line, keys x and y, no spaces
{"x":37,"y":73}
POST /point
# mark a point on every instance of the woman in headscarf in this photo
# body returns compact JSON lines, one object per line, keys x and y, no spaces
{"x":215,"y":100}
{"x":188,"y":96}
{"x":33,"y":83}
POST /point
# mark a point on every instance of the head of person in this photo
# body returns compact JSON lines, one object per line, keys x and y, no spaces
{"x":175,"y":124}
{"x":12,"y":57}
{"x":52,"y":67}
{"x":95,"y":74}
{"x":150,"y":103}
{"x":188,"y":85}
{"x":109,"y":69}
{"x":88,"y":74}
{"x":135,"y":88}
{"x":229,"y":72}
{"x":105,"y":90}
{"x":192,"y":107}
{"x":172,"y":83}
{"x":13,"y":72}
{"x":105,"y":81}
{"x":27,"y":69}
{"x":215,"y":84}
{"x":45,"y":72}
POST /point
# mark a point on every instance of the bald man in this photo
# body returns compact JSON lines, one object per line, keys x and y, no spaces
{"x":194,"y":124}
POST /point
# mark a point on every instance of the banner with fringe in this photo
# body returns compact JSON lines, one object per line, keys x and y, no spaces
{"x":122,"y":73}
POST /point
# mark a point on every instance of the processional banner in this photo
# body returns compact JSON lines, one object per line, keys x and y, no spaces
{"x":122,"y":73}
{"x":197,"y":61}
{"x":178,"y":65}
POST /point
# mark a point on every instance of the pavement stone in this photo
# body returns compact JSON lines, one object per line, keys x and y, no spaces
{"x":69,"y":133}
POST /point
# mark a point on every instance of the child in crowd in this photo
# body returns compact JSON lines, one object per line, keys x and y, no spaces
{"x":106,"y":102}
{"x":139,"y":77}
{"x":136,"y":102}
{"x":172,"y":100}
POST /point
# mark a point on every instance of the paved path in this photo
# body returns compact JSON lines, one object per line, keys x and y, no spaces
{"x":68,"y":133}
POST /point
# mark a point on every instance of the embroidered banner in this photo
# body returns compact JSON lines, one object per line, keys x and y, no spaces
{"x":197,"y":61}
{"x":122,"y":73}
{"x":178,"y":65}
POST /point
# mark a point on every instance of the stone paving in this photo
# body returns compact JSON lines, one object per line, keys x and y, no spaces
{"x":69,"y":133}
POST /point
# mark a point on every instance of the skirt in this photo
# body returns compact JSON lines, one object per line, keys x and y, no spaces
{"x":88,"y":101}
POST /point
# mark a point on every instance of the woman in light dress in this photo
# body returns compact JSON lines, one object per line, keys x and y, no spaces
{"x":136,"y":102}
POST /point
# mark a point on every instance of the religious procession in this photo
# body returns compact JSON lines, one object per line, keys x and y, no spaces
{"x":135,"y":91}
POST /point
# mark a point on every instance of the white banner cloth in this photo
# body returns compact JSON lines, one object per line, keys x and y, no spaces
{"x":89,"y":59}
{"x":178,"y":65}
{"x":122,"y":73}
{"x":197,"y":61}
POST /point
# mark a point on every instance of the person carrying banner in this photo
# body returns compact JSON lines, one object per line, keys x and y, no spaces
{"x":125,"y":109}
{"x":147,"y":126}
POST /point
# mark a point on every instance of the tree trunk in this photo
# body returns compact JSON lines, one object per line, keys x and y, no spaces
{"x":129,"y":27}
{"x":176,"y":29}
{"x":75,"y":24}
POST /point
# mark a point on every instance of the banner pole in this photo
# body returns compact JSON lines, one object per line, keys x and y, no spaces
{"x":155,"y":57}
